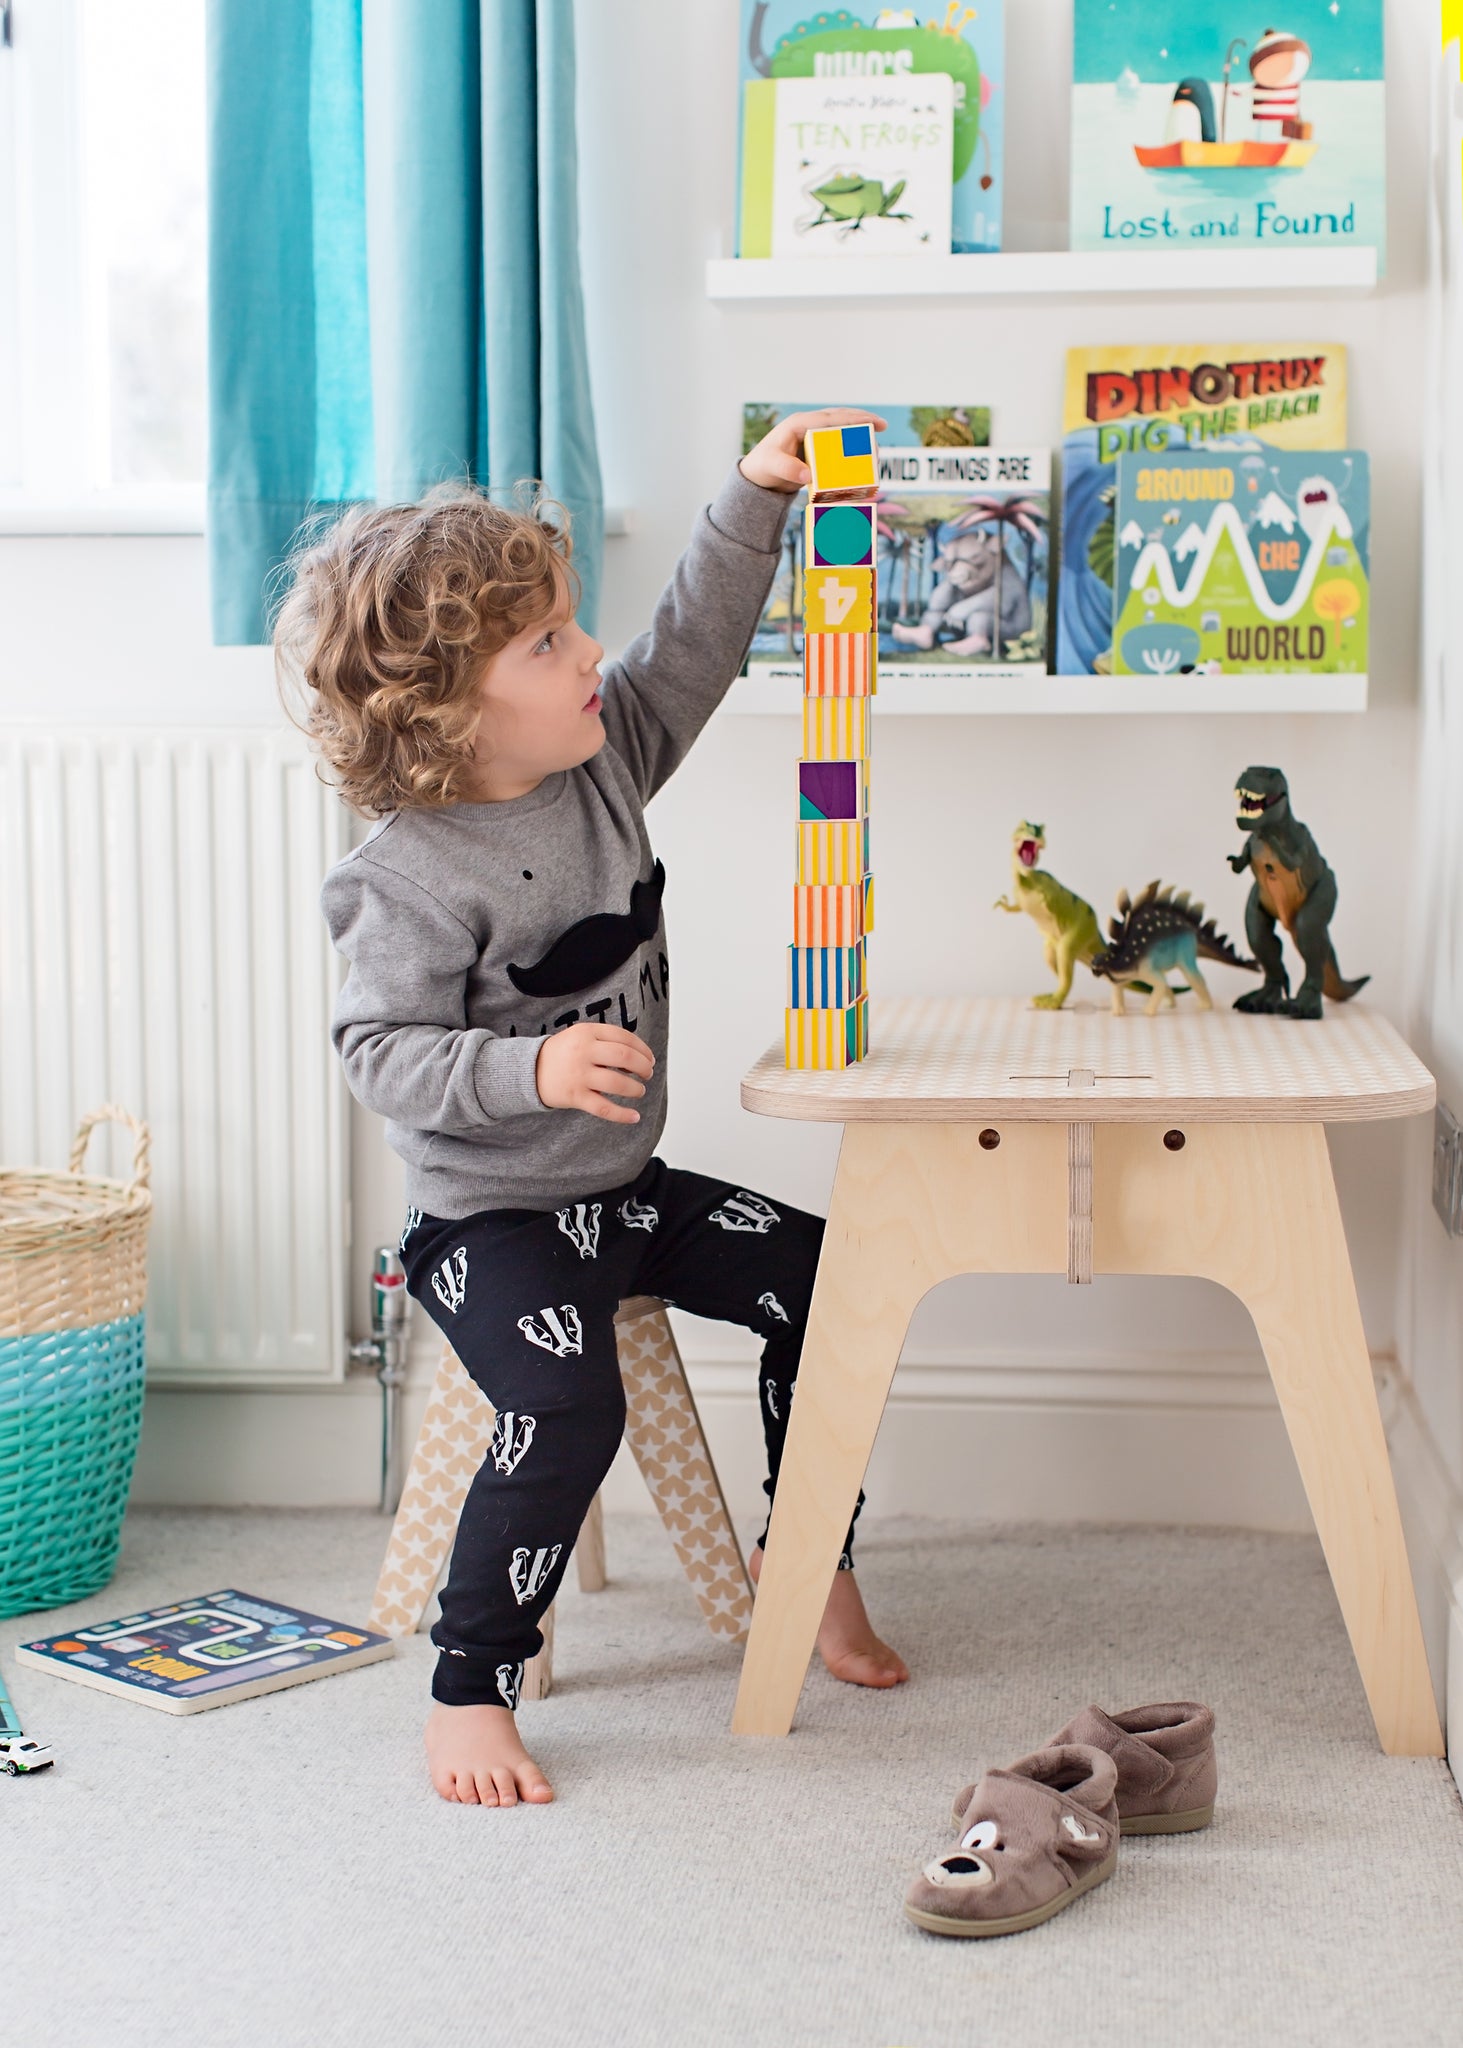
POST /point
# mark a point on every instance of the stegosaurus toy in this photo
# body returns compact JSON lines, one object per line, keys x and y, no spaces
{"x":1158,"y":932}
{"x":1068,"y":926}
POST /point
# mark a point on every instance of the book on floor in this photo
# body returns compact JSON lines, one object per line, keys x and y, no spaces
{"x":1148,"y":398}
{"x":1196,"y":128}
{"x":205,"y":1652}
{"x":879,"y":53}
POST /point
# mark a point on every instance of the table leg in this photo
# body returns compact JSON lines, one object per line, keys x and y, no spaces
{"x":1253,"y":1206}
{"x":912,"y":1204}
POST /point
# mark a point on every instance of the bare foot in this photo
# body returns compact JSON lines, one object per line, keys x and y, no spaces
{"x":914,"y":636}
{"x":846,"y":1639}
{"x":476,"y":1758}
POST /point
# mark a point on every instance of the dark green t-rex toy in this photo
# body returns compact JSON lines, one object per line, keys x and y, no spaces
{"x":1294,"y":887}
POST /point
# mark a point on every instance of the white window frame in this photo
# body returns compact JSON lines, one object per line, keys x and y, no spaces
{"x":48,"y":306}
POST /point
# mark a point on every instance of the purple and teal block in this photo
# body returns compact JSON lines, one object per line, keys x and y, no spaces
{"x":833,"y":789}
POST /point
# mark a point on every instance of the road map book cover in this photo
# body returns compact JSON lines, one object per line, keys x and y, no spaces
{"x":205,"y":1652}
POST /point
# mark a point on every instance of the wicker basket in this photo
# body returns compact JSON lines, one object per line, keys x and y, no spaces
{"x":73,"y":1278}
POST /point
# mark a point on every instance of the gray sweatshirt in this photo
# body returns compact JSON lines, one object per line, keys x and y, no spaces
{"x":474,"y":930}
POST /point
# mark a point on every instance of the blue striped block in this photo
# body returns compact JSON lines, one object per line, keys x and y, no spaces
{"x":824,"y":977}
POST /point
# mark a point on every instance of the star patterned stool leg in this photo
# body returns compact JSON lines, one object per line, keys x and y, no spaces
{"x":665,"y":1436}
{"x":664,"y":1433}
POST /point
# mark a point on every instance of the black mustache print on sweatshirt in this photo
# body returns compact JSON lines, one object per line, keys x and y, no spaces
{"x":591,"y":950}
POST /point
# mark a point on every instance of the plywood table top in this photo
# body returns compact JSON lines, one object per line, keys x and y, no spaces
{"x":948,"y":1058}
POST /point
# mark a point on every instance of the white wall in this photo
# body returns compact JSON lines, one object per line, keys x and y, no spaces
{"x":1166,"y":1376}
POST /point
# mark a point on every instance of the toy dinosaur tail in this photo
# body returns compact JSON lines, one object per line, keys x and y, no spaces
{"x":1213,"y":945}
{"x":1338,"y":990}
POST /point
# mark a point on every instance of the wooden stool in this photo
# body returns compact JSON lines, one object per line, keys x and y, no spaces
{"x":664,"y":1433}
{"x":981,"y":1136}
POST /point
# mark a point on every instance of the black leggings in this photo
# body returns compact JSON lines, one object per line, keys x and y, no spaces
{"x":527,"y":1300}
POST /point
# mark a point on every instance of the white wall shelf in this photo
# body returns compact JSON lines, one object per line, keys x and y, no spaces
{"x":1029,"y":272}
{"x":1044,"y":694}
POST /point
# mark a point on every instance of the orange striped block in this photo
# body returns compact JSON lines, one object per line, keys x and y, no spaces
{"x":822,"y":1039}
{"x":835,"y":728}
{"x":829,"y":913}
{"x":840,"y":664}
{"x":833,"y":849}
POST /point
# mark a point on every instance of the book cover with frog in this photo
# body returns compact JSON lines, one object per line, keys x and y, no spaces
{"x":1242,"y":564}
{"x":784,"y":39}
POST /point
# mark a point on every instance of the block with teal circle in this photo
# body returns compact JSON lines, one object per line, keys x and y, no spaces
{"x":840,"y":536}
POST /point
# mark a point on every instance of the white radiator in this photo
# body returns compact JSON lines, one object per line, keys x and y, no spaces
{"x":161,"y":946}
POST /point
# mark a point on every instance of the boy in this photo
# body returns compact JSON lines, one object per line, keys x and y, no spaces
{"x":506,"y":1010}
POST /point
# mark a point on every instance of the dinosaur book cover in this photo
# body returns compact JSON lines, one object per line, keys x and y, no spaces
{"x":1149,"y":398}
{"x":848,"y":202}
{"x":1241,"y":564}
{"x":963,"y":541}
{"x":1195,"y":124}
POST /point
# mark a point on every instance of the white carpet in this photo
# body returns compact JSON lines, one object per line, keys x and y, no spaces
{"x":278,"y":1874}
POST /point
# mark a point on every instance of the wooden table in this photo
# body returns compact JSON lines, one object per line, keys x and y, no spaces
{"x":982,"y":1136}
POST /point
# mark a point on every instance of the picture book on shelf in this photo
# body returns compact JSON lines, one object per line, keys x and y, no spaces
{"x":884,"y":51}
{"x":846,"y":166}
{"x":205,"y":1652}
{"x":1147,"y":398}
{"x":1196,"y":125}
{"x":1241,"y":564}
{"x":963,"y":536}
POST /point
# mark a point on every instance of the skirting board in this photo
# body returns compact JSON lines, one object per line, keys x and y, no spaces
{"x":1055,"y":1438}
{"x":1432,"y":1520}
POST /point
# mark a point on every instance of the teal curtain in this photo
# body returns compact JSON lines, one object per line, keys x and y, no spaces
{"x":394,"y":295}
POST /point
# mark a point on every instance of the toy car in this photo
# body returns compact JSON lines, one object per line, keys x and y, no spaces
{"x":18,"y":1753}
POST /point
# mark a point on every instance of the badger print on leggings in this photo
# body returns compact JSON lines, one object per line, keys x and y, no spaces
{"x":449,"y":1282}
{"x":745,"y":1212}
{"x":510,"y":1684}
{"x":637,"y":1215}
{"x":772,"y":1308}
{"x":529,"y":1570}
{"x":512,"y":1435}
{"x":557,"y":1329}
{"x":580,"y":1224}
{"x":413,"y":1218}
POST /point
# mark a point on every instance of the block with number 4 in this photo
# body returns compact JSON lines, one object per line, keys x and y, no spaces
{"x":838,"y":601}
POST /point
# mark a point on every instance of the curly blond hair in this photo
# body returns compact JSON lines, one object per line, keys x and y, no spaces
{"x":389,"y":618}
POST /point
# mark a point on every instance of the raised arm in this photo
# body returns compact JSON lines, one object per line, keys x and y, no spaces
{"x":400,"y":1023}
{"x":666,"y":685}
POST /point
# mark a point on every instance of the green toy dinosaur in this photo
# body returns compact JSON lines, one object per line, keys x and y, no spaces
{"x":1293,"y":886}
{"x":1068,"y":925}
{"x":1157,"y":932}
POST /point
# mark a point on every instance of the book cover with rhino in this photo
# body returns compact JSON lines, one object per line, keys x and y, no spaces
{"x":964,"y":552}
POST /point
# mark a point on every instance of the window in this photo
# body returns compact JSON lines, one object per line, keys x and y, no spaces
{"x":102,"y":266}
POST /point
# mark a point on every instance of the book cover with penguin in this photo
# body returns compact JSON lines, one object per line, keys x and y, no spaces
{"x":1203,"y":125}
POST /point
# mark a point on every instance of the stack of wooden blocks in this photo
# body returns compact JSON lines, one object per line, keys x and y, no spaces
{"x":833,"y":898}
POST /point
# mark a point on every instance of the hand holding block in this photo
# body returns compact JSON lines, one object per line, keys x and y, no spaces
{"x":833,"y":789}
{"x":824,"y":977}
{"x":838,"y":601}
{"x":840,"y":664}
{"x":843,"y":463}
{"x":839,"y":536}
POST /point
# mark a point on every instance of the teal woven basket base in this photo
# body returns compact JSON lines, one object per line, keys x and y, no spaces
{"x":70,"y":1416}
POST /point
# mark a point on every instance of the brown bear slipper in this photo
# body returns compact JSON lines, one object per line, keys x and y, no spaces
{"x":1033,"y":1838}
{"x":1167,"y":1774}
